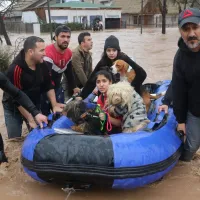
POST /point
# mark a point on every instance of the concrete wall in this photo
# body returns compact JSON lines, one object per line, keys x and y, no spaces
{"x":29,"y":17}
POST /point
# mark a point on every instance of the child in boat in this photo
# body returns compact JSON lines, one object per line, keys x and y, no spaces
{"x":103,"y":80}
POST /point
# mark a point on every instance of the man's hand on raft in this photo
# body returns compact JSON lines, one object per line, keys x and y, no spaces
{"x":39,"y":118}
{"x":181,"y":127}
{"x":58,"y":107}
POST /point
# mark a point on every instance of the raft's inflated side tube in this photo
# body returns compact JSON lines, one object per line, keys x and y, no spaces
{"x":119,"y":161}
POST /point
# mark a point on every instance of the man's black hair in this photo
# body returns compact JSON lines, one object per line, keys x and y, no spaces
{"x":81,"y":37}
{"x":30,"y":42}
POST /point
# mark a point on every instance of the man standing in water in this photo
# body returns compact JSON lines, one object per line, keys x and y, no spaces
{"x":186,"y":81}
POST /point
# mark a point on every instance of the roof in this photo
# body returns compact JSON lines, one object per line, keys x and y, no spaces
{"x":76,"y":4}
{"x":38,"y":4}
{"x":128,"y":6}
{"x":21,"y":4}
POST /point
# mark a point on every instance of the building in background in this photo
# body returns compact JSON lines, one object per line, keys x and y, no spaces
{"x":74,"y":11}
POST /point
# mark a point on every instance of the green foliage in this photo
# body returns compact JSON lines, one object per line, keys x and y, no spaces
{"x":5,"y":58}
{"x":75,"y":26}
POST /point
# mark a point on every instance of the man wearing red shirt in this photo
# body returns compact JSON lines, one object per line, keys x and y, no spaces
{"x":58,"y":57}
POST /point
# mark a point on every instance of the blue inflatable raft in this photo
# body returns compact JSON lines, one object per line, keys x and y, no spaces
{"x":119,"y":161}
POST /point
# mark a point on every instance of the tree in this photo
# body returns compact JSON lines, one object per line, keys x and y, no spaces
{"x":183,"y":4}
{"x":163,"y":9}
{"x":6,"y":7}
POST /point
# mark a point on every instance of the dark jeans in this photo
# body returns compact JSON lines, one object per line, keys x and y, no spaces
{"x":2,"y":154}
{"x":13,"y":120}
{"x":45,"y":103}
{"x":192,"y":142}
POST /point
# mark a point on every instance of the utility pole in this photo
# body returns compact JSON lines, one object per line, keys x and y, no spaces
{"x":50,"y":24}
{"x":141,"y":16}
{"x":164,"y":12}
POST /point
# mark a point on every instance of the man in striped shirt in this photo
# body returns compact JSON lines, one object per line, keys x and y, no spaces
{"x":58,"y":58}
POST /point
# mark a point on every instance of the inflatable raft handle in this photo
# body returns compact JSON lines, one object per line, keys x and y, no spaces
{"x":51,"y":119}
{"x":160,"y":116}
{"x":160,"y":120}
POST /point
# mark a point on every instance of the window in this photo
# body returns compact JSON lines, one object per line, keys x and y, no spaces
{"x":59,"y":19}
{"x":75,"y":19}
{"x":135,"y":18}
{"x":80,"y":19}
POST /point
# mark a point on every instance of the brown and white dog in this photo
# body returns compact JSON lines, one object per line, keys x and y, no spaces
{"x":127,"y":73}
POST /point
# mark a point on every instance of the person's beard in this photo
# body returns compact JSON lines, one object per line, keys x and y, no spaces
{"x":63,"y":46}
{"x":192,"y":45}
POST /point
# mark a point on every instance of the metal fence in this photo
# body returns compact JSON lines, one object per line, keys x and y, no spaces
{"x":127,"y":25}
{"x":156,"y":22}
{"x":19,"y":27}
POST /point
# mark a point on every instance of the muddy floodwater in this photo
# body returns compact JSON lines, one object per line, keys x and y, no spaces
{"x":154,"y":52}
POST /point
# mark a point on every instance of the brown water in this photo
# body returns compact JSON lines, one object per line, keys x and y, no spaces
{"x":155,"y":53}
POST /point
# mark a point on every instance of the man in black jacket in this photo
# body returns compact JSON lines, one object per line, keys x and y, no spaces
{"x":22,"y":99}
{"x":30,"y":74}
{"x":186,"y":81}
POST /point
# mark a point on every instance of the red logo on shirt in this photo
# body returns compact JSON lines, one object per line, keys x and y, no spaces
{"x":187,"y":13}
{"x":62,"y":63}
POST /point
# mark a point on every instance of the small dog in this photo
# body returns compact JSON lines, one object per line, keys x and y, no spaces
{"x":87,"y":121}
{"x":127,"y":103}
{"x":127,"y":73}
{"x":148,"y":97}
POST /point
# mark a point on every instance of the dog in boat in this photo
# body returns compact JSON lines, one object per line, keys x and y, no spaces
{"x":128,"y":104}
{"x":127,"y":73}
{"x":147,"y":96}
{"x":86,"y":120}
